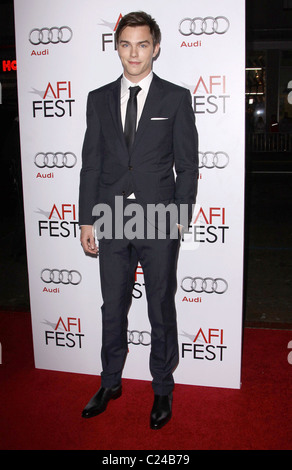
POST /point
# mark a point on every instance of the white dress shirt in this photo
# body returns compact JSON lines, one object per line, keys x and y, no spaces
{"x":141,"y":98}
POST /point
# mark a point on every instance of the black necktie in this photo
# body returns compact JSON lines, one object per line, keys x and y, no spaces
{"x":131,"y":117}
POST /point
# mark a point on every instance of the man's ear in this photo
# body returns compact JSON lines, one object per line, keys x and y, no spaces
{"x":156,"y":51}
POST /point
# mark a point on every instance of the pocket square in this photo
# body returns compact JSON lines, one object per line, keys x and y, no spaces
{"x":159,"y":118}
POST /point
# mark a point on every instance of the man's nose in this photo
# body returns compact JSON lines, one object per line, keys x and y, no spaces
{"x":134,"y":51}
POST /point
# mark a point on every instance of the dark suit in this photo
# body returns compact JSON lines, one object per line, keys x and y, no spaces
{"x":109,"y":170}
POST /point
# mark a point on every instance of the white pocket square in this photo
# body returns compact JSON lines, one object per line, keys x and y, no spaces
{"x":159,"y":118}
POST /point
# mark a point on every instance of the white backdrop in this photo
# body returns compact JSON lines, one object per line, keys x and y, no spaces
{"x":65,"y":48}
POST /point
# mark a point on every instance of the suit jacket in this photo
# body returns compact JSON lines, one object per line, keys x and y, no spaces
{"x":166,"y":137}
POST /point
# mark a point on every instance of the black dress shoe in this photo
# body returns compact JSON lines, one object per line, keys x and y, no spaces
{"x":161,"y":411}
{"x":99,"y":401}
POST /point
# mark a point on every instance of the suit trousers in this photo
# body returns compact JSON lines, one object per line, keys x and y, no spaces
{"x":118,"y":262}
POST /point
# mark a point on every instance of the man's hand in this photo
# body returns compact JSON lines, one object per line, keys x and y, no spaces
{"x":180,"y":229}
{"x":87,"y":240}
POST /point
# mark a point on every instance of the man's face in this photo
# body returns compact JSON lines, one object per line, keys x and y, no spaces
{"x":135,"y":49}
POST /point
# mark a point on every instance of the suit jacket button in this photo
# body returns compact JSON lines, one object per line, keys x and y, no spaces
{"x":123,"y":193}
{"x":130,"y":168}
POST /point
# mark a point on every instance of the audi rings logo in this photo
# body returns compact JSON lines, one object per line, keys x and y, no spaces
{"x":139,"y":337}
{"x":207,"y":285}
{"x":213,"y":160}
{"x":207,"y":25}
{"x":52,"y":35}
{"x":55,"y":160}
{"x":61,"y":276}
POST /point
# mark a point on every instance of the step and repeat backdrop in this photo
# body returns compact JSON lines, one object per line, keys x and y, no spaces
{"x":65,"y":48}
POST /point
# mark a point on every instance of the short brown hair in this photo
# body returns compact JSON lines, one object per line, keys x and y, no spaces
{"x":139,"y":18}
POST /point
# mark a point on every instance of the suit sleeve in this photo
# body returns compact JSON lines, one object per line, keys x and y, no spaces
{"x":185,"y":145}
{"x":91,"y":165}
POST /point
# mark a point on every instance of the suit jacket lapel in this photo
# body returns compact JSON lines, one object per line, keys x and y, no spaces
{"x":115,"y":108}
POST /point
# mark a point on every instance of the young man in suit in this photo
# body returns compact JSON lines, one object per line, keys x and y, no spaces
{"x":119,"y":161}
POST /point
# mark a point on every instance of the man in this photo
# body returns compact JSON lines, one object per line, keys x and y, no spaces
{"x":140,"y":166}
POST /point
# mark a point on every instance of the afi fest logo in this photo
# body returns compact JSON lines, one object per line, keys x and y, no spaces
{"x":56,"y":101}
{"x":108,"y":39}
{"x":207,"y":344}
{"x":60,"y":221}
{"x":210,"y":95}
{"x":208,"y":226}
{"x":67,"y":333}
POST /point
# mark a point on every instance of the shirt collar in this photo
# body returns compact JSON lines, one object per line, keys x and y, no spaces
{"x":144,"y":84}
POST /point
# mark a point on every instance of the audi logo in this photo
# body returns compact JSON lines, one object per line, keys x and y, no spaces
{"x":207,"y":25}
{"x":55,"y":160}
{"x":207,"y":285}
{"x":63,"y":276}
{"x":52,"y":35}
{"x":139,"y":337}
{"x":213,"y":160}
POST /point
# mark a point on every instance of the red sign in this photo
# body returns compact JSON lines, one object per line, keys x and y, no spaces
{"x":9,"y":65}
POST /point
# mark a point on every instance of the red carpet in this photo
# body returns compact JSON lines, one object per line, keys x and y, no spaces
{"x":40,"y":410}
